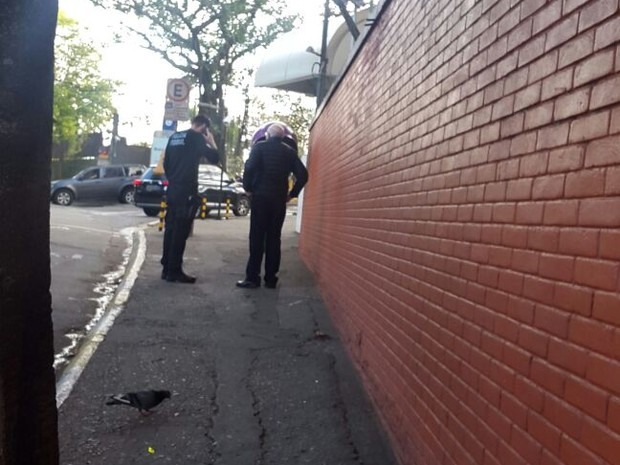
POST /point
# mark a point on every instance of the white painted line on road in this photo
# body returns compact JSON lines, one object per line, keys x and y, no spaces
{"x":67,"y":227}
{"x":72,"y":373}
{"x":77,"y":256}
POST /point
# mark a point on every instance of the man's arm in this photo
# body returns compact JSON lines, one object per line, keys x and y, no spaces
{"x":301,"y":177}
{"x":251,"y":169}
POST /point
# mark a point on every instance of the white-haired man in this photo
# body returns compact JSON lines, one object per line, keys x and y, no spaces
{"x":266,"y":178}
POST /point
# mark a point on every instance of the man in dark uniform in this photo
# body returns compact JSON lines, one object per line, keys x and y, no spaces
{"x":266,"y":179}
{"x":184,"y":152}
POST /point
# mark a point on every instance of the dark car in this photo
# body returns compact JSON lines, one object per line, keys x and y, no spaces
{"x":150,"y":188}
{"x":114,"y":182}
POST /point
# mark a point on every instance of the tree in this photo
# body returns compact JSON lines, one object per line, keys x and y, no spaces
{"x":82,"y":98}
{"x":28,"y":421}
{"x":204,"y":39}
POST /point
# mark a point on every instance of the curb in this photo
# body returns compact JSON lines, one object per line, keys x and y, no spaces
{"x":74,"y":369}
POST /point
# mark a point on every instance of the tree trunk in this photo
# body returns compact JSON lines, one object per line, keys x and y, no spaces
{"x":28,"y":419}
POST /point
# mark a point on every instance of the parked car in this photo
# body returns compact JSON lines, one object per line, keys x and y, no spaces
{"x":113,"y":182}
{"x":150,"y":188}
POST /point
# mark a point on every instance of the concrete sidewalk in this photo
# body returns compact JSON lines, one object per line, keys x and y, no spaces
{"x":258,"y":376}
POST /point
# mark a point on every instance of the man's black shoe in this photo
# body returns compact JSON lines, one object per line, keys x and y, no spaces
{"x":180,"y":278}
{"x":245,"y":284}
{"x":271,"y":284}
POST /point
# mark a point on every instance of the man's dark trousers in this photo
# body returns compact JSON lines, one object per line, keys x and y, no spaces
{"x":266,"y":220}
{"x":179,"y":218}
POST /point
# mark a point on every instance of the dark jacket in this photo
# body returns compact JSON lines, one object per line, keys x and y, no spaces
{"x":184,"y":151}
{"x":268,"y":168}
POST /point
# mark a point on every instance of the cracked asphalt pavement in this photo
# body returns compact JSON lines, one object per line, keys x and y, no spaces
{"x":258,"y":377}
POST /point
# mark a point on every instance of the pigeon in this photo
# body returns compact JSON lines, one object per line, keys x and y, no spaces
{"x":144,"y":401}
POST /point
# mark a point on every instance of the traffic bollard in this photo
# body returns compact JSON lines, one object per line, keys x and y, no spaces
{"x":203,"y":208}
{"x":227,"y":216}
{"x":163,"y":206}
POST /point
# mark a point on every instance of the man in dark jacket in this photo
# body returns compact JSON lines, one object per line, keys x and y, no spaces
{"x":184,"y":152}
{"x":266,"y":179}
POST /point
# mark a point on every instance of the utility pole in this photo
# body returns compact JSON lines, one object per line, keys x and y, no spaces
{"x":114,"y":137}
{"x":322,"y":78}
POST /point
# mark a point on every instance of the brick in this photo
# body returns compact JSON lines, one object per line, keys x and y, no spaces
{"x":581,"y":242}
{"x":543,"y":67}
{"x":550,"y":378}
{"x":614,"y":127}
{"x":612,"y":181}
{"x":504,"y":213}
{"x":603,"y":152}
{"x":534,"y":164}
{"x":520,"y":189}
{"x":508,"y":169}
{"x":606,"y":307}
{"x":525,"y":446}
{"x":570,"y":5}
{"x":538,"y":290}
{"x":512,"y":125}
{"x":566,"y":159}
{"x":572,"y":104}
{"x":596,"y":12}
{"x":595,"y":67}
{"x":556,"y":267}
{"x":529,"y":213}
{"x":610,"y":245}
{"x":613,"y":418}
{"x":562,"y":32}
{"x":525,"y":143}
{"x":576,"y":49}
{"x":573,"y":453}
{"x":531,"y":50}
{"x":520,"y":34}
{"x":539,"y":116}
{"x":495,"y":192}
{"x":604,"y":372}
{"x":605,"y":93}
{"x":516,"y":81}
{"x":528,"y":96}
{"x":514,"y":236}
{"x":600,"y":213}
{"x":573,"y":298}
{"x":607,"y":34}
{"x":509,"y":21}
{"x":598,"y":438}
{"x":585,"y":183}
{"x":548,"y":187}
{"x":545,"y":433}
{"x":503,"y":107}
{"x":558,"y":83}
{"x":553,"y":136}
{"x":589,"y":127}
{"x":561,"y":213}
{"x":567,"y":356}
{"x":592,"y":334}
{"x":494,"y":92}
{"x":547,"y":16}
{"x":599,"y":274}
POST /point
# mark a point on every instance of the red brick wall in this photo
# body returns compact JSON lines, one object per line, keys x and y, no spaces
{"x":463,"y":220}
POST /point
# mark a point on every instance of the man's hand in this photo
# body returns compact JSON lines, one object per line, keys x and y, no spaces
{"x":209,"y":139}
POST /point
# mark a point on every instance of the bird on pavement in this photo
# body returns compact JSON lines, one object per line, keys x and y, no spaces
{"x":144,"y":401}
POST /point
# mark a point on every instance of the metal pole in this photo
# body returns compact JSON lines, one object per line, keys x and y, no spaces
{"x":219,"y":203}
{"x":321,"y":84}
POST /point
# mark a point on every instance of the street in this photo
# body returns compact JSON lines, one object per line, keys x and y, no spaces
{"x":87,"y":248}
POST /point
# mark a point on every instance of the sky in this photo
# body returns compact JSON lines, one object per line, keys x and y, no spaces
{"x":140,"y":99}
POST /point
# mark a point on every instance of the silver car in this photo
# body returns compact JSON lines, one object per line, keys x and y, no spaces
{"x":114,"y":182}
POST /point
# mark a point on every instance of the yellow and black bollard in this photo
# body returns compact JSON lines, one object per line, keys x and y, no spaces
{"x":203,"y":208}
{"x":163,"y":206}
{"x":227,"y":216}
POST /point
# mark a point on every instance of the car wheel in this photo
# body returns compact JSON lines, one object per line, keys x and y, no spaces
{"x":151,"y":211}
{"x":63,"y":197}
{"x":127,"y":195}
{"x":243,"y":207}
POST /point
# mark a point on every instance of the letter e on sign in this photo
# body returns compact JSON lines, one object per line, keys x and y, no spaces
{"x":177,"y":90}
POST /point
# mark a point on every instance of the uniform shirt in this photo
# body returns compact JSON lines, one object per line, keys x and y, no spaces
{"x":268,"y":168}
{"x":183,"y":154}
